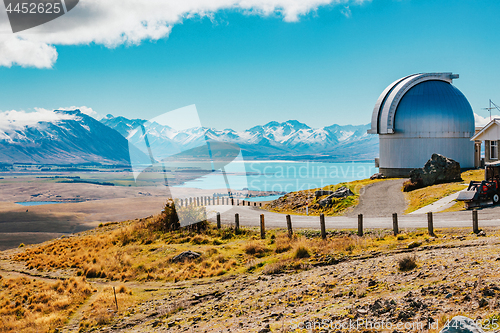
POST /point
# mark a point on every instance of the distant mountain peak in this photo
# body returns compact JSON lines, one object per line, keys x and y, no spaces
{"x":290,"y":138}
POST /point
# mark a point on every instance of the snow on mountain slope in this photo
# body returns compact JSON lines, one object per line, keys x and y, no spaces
{"x":288,"y":139}
{"x":59,"y":137}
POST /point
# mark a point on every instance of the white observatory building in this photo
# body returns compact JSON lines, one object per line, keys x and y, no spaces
{"x":419,"y":115}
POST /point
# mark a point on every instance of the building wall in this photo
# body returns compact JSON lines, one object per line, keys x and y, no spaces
{"x":411,"y":153}
{"x":487,"y":152}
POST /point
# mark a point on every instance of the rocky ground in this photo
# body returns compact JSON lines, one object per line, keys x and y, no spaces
{"x":456,"y":273}
{"x":460,"y":277}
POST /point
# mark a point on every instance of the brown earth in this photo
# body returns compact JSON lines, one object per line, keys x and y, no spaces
{"x":456,"y":273}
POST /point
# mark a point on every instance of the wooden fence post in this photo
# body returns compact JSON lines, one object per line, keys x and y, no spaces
{"x":116,"y":301}
{"x":395,"y":223}
{"x":236,"y":222}
{"x":289,"y":226}
{"x":360,"y":225}
{"x":217,"y":200}
{"x":218,"y":220}
{"x":475,"y":222}
{"x":430,"y":224}
{"x":322,"y":225}
{"x":262,"y":227}
{"x":181,"y":203}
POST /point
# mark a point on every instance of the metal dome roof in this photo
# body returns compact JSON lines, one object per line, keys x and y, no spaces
{"x":434,"y":109}
{"x":425,"y":103}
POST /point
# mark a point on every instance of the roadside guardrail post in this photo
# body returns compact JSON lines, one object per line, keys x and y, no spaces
{"x":360,"y":225}
{"x":475,"y":222}
{"x":395,"y":223}
{"x":218,"y":220}
{"x":322,"y":224}
{"x":289,"y":226}
{"x":236,"y":222}
{"x":262,"y":227}
{"x":430,"y":224}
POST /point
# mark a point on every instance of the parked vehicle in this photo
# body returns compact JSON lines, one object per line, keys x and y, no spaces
{"x":486,"y":192}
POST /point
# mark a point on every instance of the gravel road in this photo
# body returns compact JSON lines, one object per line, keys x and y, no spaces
{"x":381,"y":199}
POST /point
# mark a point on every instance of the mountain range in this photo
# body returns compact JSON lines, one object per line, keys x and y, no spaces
{"x":72,"y":137}
{"x":61,"y":137}
{"x":290,"y":140}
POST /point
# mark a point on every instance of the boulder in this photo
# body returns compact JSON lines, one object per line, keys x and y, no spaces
{"x":461,"y":324}
{"x":439,"y":169}
{"x":321,"y":193}
{"x":186,"y":255}
{"x":377,"y":176}
{"x":341,"y":192}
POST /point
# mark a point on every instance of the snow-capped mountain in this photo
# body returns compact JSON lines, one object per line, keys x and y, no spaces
{"x":72,"y":137}
{"x":288,"y":140}
{"x":59,"y":137}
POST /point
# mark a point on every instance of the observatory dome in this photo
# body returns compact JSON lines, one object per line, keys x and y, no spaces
{"x":419,"y":115}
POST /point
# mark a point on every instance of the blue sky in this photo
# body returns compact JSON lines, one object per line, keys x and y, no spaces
{"x":243,"y":70}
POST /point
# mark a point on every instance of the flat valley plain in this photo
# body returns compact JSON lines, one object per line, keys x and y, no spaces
{"x":85,"y":200}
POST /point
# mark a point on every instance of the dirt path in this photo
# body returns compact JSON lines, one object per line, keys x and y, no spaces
{"x":381,"y":199}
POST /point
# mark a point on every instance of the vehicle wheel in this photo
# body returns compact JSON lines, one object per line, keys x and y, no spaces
{"x":467,"y":206}
{"x":495,"y":198}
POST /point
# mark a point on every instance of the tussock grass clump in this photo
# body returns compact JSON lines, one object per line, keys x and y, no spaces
{"x":407,"y":263}
{"x":301,"y":250}
{"x":32,"y":305}
{"x":283,"y":243}
{"x":275,"y":268}
{"x":255,"y":248}
{"x":102,"y":310}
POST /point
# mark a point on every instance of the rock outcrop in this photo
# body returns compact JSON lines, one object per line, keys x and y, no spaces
{"x":439,"y":169}
{"x":341,"y":192}
{"x":186,"y":255}
{"x":377,"y":176}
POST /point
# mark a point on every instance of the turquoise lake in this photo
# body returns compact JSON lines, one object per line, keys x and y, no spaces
{"x":283,"y":176}
{"x":38,"y":203}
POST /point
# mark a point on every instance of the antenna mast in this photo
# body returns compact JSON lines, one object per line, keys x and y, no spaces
{"x":492,"y":107}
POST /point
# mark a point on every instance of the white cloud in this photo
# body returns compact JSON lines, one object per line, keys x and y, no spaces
{"x":346,"y":12}
{"x":17,"y":51}
{"x":84,"y":109}
{"x":17,"y":120}
{"x":116,"y":22}
{"x":482,"y":121}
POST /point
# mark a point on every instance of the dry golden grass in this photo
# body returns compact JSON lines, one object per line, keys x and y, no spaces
{"x":31,"y":305}
{"x":103,"y":309}
{"x":422,"y":197}
{"x":255,"y":248}
{"x":134,"y":251}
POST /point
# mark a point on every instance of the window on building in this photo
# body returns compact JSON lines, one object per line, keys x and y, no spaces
{"x":494,"y":150}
